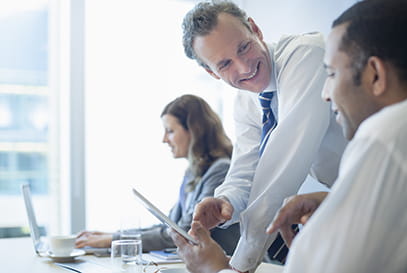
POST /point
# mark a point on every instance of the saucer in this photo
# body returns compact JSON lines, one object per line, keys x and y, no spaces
{"x":75,"y":253}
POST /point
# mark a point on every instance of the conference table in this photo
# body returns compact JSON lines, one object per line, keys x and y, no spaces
{"x":17,"y":255}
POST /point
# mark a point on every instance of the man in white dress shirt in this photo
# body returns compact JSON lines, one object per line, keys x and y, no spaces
{"x":360,"y":226}
{"x":306,"y":140}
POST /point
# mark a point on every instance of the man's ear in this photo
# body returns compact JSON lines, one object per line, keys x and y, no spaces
{"x":255,"y":28}
{"x":212,"y":73}
{"x":377,"y":75}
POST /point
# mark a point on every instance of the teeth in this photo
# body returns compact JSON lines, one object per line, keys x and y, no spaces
{"x":252,"y":75}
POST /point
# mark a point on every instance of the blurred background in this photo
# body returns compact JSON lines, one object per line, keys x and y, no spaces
{"x":82,"y":87}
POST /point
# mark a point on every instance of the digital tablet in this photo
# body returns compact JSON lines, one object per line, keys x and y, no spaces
{"x":162,"y":217}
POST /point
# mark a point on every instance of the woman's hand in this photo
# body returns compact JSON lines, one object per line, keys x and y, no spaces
{"x":93,"y":239}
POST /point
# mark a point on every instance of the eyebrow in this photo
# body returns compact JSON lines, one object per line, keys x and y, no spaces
{"x":243,"y":43}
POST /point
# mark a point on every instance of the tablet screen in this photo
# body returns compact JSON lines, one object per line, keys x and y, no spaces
{"x":162,"y":217}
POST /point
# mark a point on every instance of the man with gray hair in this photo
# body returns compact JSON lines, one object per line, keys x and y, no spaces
{"x":284,"y":130}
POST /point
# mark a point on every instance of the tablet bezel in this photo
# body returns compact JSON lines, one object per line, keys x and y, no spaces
{"x":162,"y":217}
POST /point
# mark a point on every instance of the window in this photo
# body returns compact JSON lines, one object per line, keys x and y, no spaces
{"x":26,"y":118}
{"x":127,"y":63}
{"x":135,"y":65}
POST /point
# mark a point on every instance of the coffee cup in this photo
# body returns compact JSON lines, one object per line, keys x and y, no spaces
{"x":62,"y":245}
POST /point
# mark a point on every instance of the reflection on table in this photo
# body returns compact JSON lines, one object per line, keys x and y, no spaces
{"x":17,"y":255}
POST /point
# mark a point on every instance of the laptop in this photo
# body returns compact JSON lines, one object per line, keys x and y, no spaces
{"x":40,"y":245}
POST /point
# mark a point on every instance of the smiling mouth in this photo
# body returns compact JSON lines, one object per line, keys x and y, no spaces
{"x":251,"y":76}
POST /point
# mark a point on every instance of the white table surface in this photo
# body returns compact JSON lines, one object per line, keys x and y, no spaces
{"x":17,"y":255}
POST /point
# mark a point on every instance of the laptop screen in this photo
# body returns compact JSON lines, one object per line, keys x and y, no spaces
{"x":34,"y":229}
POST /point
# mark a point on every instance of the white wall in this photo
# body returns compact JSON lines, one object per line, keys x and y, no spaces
{"x":282,"y":17}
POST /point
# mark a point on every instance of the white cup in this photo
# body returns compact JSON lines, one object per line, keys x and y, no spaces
{"x":62,"y":245}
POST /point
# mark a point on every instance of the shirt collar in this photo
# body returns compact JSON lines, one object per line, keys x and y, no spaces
{"x":272,"y":86}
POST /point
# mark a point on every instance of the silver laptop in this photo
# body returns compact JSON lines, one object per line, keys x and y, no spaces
{"x":40,"y":245}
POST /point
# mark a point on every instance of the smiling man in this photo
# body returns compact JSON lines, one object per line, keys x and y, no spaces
{"x":282,"y":138}
{"x":365,"y":215}
{"x":361,"y":224}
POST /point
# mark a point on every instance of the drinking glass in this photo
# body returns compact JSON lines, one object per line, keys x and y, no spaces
{"x":126,"y":256}
{"x":130,"y":234}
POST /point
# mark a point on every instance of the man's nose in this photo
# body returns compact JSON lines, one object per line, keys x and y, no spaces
{"x":242,"y":66}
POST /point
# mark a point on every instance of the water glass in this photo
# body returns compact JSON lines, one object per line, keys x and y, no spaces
{"x":130,"y":234}
{"x":126,"y":256}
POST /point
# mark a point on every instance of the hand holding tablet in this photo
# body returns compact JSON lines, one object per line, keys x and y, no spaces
{"x":162,"y":217}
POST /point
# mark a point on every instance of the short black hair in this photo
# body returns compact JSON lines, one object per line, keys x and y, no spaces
{"x":375,"y":28}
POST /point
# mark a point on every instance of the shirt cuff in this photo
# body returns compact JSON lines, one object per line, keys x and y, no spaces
{"x":116,"y":236}
{"x":245,"y":256}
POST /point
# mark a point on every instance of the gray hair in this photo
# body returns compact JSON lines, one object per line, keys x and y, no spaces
{"x":202,"y":19}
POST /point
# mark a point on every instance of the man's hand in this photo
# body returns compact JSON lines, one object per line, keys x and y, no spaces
{"x":93,"y":239}
{"x":206,"y":257}
{"x":211,"y":211}
{"x":296,"y":209}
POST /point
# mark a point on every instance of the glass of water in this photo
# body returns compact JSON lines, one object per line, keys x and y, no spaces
{"x":126,"y":256}
{"x":130,"y":234}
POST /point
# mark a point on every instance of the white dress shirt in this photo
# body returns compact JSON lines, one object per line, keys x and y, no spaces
{"x":307,"y":140}
{"x":361,"y":226}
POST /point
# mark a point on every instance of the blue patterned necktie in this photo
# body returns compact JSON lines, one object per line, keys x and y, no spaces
{"x":269,"y":121}
{"x":278,"y":250}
